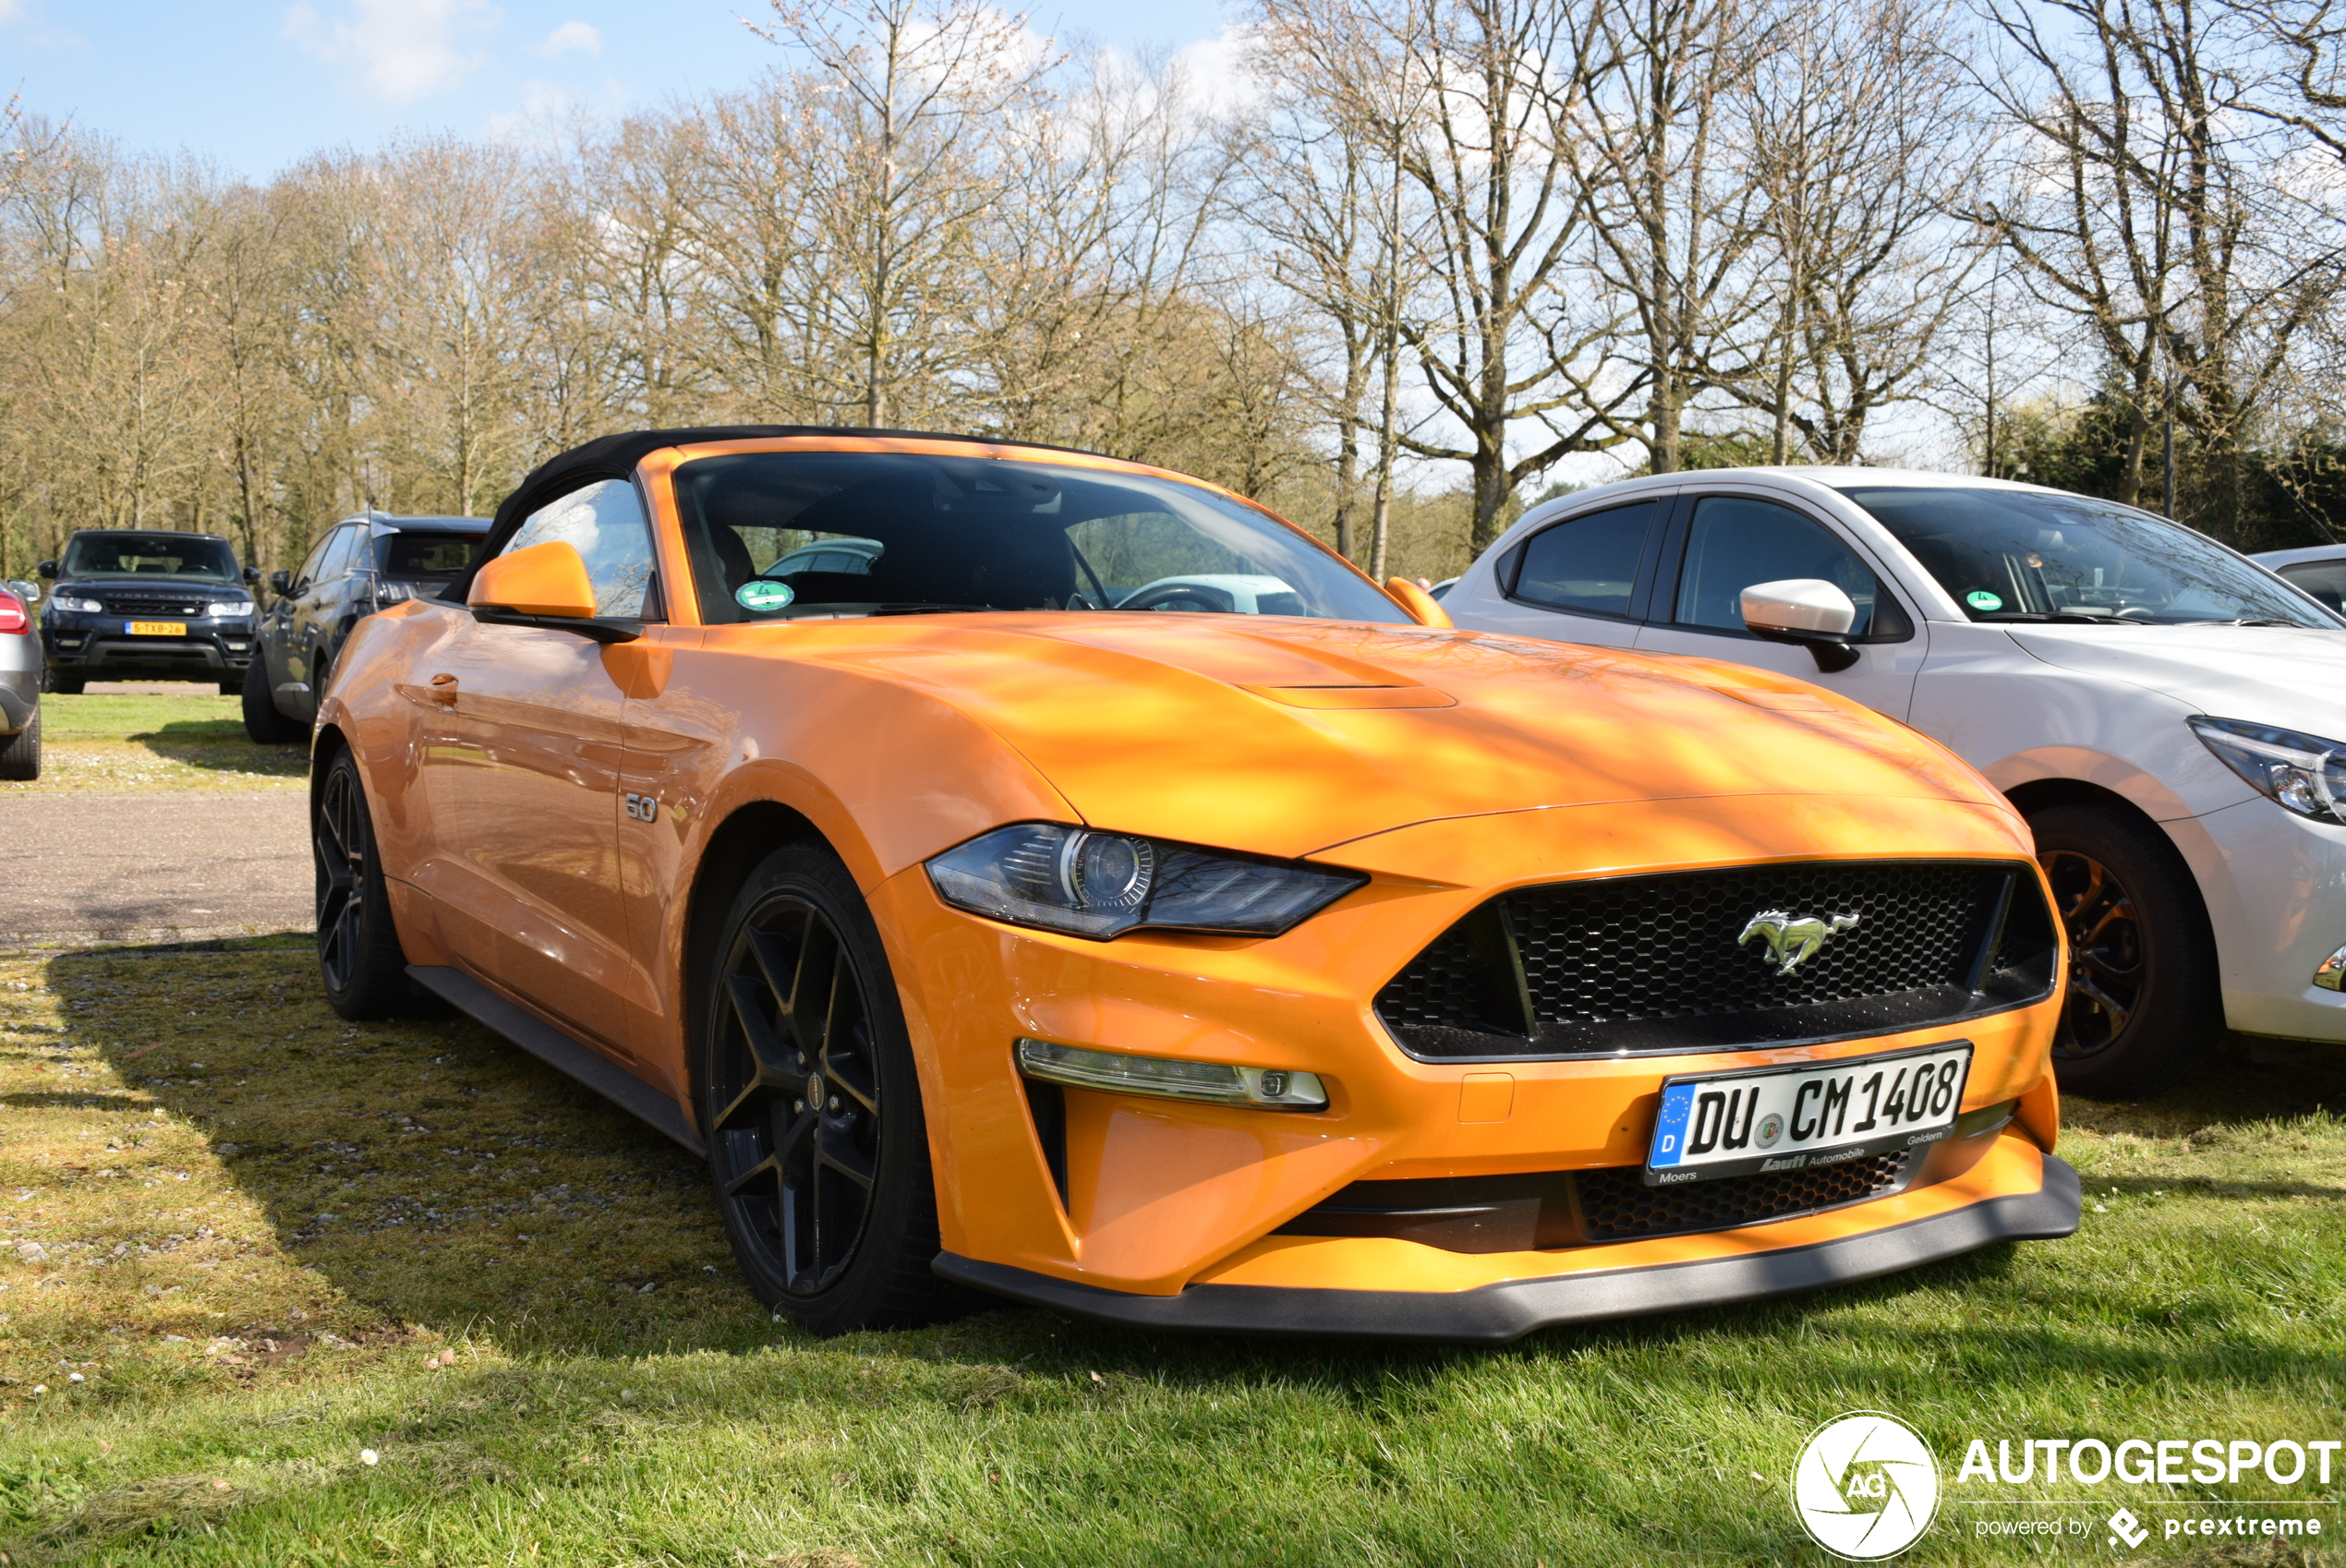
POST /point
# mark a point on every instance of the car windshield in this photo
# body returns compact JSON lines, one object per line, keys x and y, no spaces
{"x":187,"y":557}
{"x":428,"y":555}
{"x":780,"y":534}
{"x":2025,"y":555}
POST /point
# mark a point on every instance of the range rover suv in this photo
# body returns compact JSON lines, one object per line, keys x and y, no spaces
{"x":147,"y":605}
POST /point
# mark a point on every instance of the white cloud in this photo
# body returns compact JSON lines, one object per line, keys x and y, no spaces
{"x":585,"y":37}
{"x":407,"y":48}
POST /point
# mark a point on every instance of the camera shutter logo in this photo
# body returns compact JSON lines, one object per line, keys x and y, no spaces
{"x":1866,"y":1486}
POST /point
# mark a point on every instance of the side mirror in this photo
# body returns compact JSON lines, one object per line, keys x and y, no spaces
{"x":544,"y":586}
{"x":1421,"y":605}
{"x":280,"y":582}
{"x":1808,"y":611}
{"x":48,"y":569}
{"x":252,"y":575}
{"x":29,"y":592}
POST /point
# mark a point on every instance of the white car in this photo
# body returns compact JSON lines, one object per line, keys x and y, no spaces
{"x":2320,"y":570}
{"x":2157,"y":705}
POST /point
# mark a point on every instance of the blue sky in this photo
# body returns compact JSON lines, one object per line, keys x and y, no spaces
{"x":255,"y":84}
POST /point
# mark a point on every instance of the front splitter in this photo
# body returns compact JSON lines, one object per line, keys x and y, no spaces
{"x":1496,"y":1313}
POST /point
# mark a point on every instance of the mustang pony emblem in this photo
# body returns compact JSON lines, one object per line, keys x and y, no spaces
{"x":1792,"y":943}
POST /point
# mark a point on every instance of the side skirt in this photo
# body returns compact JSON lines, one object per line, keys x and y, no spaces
{"x":558,"y":1050}
{"x":1495,"y":1313}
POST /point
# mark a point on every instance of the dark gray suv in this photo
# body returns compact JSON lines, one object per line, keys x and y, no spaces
{"x":136,"y":604}
{"x":362,"y":564}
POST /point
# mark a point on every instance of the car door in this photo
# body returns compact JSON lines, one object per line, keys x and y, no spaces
{"x":287,"y":661}
{"x":354,"y":596}
{"x":307,"y":665}
{"x":1721,"y":543}
{"x":1583,"y":579}
{"x":521,"y":749}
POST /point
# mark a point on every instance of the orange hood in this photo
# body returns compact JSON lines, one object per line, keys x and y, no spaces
{"x":1286,"y":737}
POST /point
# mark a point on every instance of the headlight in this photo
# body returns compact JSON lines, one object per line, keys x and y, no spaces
{"x":1102,"y":884}
{"x":2304,"y":773}
{"x":228,"y":609}
{"x":79,"y":606}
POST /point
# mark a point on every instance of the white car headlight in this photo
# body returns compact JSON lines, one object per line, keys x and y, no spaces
{"x":228,"y":610}
{"x":1100,"y":884}
{"x":2304,"y":773}
{"x":79,"y":606}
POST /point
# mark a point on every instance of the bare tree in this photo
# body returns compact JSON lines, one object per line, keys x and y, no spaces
{"x":910,"y":96}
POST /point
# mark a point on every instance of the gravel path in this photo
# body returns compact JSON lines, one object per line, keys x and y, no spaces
{"x":87,"y":867}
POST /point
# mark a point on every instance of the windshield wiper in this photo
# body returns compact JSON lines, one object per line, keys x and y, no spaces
{"x":2062,"y":617}
{"x":912,"y":606}
{"x":2245,"y":621}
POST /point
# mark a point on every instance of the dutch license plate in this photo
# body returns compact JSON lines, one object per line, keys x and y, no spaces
{"x":155,"y":628}
{"x":1792,"y":1118}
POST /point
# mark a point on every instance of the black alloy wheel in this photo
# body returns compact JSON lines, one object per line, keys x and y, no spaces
{"x":2108,"y":965}
{"x":2143,"y":1002}
{"x":358,"y":953}
{"x":818,"y":1151}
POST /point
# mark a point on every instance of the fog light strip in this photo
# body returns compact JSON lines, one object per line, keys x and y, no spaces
{"x":1215,"y":1083}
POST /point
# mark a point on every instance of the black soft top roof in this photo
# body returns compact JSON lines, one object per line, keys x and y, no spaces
{"x":615,"y":456}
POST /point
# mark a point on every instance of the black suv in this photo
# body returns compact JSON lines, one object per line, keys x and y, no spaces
{"x":136,"y":604}
{"x":363,"y":564}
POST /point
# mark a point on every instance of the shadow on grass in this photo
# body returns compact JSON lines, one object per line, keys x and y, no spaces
{"x":220,"y":745}
{"x":443,"y":1178}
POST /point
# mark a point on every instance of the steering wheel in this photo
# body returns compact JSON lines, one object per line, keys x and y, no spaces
{"x":1181,"y":595}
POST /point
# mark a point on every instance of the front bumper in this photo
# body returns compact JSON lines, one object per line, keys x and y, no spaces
{"x":2275,"y":885}
{"x":1139,"y":1198}
{"x":1749,"y":1266}
{"x":96,"y":648}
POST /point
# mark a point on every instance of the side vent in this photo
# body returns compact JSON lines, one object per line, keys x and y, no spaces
{"x":1046,"y":1103}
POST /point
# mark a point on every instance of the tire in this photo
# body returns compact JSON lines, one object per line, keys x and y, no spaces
{"x":832,"y":1207}
{"x":358,"y":952}
{"x":20,"y":753}
{"x":263,"y":723}
{"x":64,"y":685}
{"x":2145,"y":1000}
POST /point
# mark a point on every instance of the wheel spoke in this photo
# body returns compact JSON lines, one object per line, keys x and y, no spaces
{"x":835,"y":1149}
{"x":766,"y":1172}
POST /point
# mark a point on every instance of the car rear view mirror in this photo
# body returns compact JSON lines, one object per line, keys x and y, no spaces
{"x":543,"y":586}
{"x":27,"y":591}
{"x":47,"y":568}
{"x":252,"y":575}
{"x":280,"y":582}
{"x":1808,"y":611}
{"x":1423,"y":607}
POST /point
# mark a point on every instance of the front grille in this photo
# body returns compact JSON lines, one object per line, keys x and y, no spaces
{"x":1544,"y":1210}
{"x":1616,"y":1205}
{"x":177,"y":608}
{"x":1656,"y":963}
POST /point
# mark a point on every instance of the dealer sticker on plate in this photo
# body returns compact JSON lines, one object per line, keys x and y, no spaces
{"x":1790,"y":1118}
{"x":155,"y":628}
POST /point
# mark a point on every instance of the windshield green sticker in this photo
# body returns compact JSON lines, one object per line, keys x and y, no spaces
{"x":1978,"y":598}
{"x":764,"y":595}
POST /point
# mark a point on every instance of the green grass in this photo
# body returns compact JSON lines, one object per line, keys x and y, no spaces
{"x":523,"y":1307}
{"x":187,"y":740}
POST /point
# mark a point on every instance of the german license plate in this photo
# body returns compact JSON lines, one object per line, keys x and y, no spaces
{"x":155,"y":628}
{"x":1790,"y":1118}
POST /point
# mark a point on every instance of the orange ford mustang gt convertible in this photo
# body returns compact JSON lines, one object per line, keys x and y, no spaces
{"x":1022,"y":871}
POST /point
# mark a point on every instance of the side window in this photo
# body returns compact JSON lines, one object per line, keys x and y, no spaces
{"x":1735,"y":541}
{"x":339,"y":550}
{"x":606,"y":521}
{"x":315,"y":564}
{"x":2325,"y":579}
{"x":1588,"y":563}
